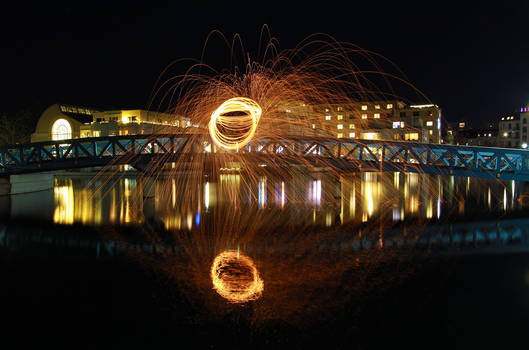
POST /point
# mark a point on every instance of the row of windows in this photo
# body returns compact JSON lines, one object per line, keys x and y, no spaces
{"x":110,"y":119}
{"x":414,"y":136}
{"x":76,"y":110}
{"x":510,"y":125}
{"x":388,"y":106}
{"x":377,"y":116}
{"x":364,"y":107}
{"x":363,"y":115}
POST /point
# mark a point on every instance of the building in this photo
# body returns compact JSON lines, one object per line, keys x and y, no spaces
{"x":486,"y":137}
{"x":374,"y":120}
{"x":380,"y":120}
{"x":512,"y":130}
{"x":60,"y":122}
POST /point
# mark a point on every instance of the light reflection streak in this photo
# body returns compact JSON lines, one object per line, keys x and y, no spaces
{"x":206,"y":195}
{"x":330,"y":202}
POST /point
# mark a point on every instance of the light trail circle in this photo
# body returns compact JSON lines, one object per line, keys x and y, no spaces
{"x":235,"y":277}
{"x":234,"y":122}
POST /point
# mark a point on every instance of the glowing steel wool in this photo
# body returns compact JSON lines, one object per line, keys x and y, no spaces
{"x":235,"y":277}
{"x":234,"y":122}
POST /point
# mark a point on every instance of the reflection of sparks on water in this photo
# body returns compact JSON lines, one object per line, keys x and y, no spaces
{"x":235,"y":277}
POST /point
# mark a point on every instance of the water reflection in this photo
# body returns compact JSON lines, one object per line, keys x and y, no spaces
{"x":310,"y":200}
{"x":78,"y":201}
{"x":235,"y":277}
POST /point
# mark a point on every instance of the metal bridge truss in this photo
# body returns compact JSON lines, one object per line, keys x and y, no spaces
{"x":365,"y":155}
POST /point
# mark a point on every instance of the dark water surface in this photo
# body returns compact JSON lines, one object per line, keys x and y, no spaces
{"x":367,"y":261}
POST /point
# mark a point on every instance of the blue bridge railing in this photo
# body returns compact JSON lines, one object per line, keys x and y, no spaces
{"x":366,"y":155}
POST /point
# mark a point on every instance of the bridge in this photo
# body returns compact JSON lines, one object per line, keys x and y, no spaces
{"x":141,"y":151}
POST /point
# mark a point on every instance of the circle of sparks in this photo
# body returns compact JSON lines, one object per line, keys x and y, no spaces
{"x":235,"y":277}
{"x":233,"y":123}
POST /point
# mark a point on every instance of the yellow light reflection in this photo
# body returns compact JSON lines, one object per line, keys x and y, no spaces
{"x":64,"y":204}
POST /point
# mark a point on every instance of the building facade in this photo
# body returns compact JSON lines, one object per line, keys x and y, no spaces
{"x":381,"y":120}
{"x":374,"y":120}
{"x":61,"y":122}
{"x":512,"y":130}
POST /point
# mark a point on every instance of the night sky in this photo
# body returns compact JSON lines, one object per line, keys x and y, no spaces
{"x":473,"y":61}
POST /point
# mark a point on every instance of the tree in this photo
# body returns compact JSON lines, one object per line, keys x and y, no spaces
{"x":17,"y":128}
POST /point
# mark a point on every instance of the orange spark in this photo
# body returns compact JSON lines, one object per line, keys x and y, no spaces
{"x":235,"y":277}
{"x":234,"y":122}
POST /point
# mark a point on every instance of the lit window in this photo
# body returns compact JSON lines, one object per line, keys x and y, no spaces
{"x":369,"y":136}
{"x":96,"y":133}
{"x":431,"y":132}
{"x":377,"y":106}
{"x":351,"y":126}
{"x":287,"y":110}
{"x":401,"y":124}
{"x":340,"y":126}
{"x":461,"y":125}
{"x":61,"y":130}
{"x":314,"y":126}
{"x":340,"y":109}
{"x":340,"y":135}
{"x":327,"y":117}
{"x":411,"y":137}
{"x":340,"y":117}
{"x":396,"y":125}
{"x":364,"y":116}
{"x":364,"y":107}
{"x":326,"y":109}
{"x":429,"y":123}
{"x":389,"y":106}
{"x":351,"y":134}
{"x":377,"y":115}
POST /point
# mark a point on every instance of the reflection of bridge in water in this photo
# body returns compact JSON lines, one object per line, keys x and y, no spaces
{"x":366,"y":155}
{"x":495,"y":237}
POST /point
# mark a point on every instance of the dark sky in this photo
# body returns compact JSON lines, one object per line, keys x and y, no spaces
{"x":472,"y":60}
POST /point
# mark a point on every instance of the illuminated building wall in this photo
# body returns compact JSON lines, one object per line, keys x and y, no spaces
{"x":373,"y":120}
{"x":60,"y":122}
{"x":381,"y":120}
{"x":512,"y":130}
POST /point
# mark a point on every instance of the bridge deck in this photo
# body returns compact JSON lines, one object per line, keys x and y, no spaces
{"x":144,"y":151}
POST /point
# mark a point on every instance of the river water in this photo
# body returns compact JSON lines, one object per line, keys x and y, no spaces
{"x":359,"y":260}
